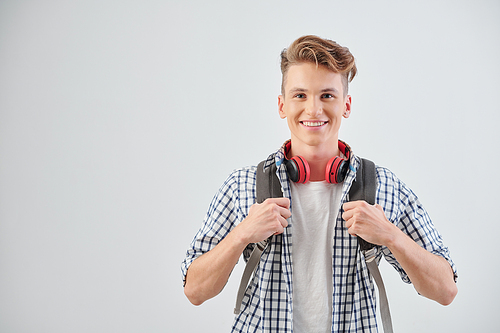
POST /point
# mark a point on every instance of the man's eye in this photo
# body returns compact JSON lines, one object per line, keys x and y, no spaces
{"x":327,"y":95}
{"x":300,"y":95}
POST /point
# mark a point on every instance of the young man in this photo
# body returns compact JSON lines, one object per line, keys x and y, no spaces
{"x":311,"y":276}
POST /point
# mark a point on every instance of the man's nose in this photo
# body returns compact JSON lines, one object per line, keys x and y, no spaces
{"x":314,"y":107}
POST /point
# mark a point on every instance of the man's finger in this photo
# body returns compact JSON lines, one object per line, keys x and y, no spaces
{"x":352,"y":204}
{"x":282,"y":202}
{"x":285,"y":212}
{"x":284,"y":222}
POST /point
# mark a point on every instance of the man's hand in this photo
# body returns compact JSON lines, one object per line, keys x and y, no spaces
{"x":265,"y":219}
{"x":368,"y":222}
{"x":209,"y":273}
{"x":430,"y":274}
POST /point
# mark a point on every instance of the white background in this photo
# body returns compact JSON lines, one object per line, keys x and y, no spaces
{"x":119,"y":120}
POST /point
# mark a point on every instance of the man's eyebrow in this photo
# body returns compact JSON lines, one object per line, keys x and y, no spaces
{"x":304,"y":90}
{"x":298,"y":90}
{"x":330,"y":90}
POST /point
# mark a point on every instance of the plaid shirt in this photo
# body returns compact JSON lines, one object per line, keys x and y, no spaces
{"x":267,"y":305}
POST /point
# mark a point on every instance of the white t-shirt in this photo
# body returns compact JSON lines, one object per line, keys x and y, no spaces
{"x":314,"y":214}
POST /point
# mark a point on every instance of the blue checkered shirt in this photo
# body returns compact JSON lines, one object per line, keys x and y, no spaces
{"x":267,"y":304}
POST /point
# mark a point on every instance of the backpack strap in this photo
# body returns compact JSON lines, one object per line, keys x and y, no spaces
{"x":268,"y":186}
{"x":365,"y":188}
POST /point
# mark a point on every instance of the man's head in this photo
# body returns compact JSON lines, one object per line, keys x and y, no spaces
{"x":322,"y":52}
{"x":314,"y":97}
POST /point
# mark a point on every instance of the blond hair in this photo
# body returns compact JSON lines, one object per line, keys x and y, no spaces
{"x":322,"y":52}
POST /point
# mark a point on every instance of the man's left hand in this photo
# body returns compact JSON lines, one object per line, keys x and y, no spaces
{"x":368,"y":222}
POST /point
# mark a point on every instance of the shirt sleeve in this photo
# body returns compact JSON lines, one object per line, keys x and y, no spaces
{"x":229,"y":206}
{"x":403,"y":209}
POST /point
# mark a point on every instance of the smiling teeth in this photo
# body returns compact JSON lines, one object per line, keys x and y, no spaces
{"x":313,"y":123}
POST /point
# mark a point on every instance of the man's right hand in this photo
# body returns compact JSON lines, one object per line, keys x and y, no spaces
{"x":265,"y":219}
{"x":208,"y":274}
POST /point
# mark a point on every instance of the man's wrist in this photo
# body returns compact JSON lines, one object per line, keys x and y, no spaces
{"x":238,"y":237}
{"x":396,"y":240}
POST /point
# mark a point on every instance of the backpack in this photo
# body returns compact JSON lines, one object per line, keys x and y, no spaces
{"x":364,"y":187}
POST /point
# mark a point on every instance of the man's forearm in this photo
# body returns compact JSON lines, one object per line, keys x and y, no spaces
{"x":208,"y":274}
{"x":431,"y":274}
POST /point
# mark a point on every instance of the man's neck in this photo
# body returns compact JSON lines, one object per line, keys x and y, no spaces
{"x":318,"y":167}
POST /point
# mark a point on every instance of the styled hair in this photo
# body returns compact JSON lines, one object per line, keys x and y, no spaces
{"x":322,"y":52}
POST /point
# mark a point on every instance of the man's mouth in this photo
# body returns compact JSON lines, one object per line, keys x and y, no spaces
{"x":313,"y":123}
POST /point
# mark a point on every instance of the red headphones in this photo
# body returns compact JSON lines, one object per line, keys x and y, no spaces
{"x":298,"y":169}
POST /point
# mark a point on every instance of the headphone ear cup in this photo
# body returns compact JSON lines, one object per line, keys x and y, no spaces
{"x":336,"y":170}
{"x":298,"y":169}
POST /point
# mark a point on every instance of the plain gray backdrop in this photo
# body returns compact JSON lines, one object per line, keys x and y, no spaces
{"x":119,"y":120}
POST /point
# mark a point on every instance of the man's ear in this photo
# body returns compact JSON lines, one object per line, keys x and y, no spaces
{"x":281,"y":103}
{"x":347,"y":109}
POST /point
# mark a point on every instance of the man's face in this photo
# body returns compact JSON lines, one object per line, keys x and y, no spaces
{"x":313,"y":104}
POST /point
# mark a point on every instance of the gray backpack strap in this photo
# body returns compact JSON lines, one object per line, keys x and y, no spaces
{"x":385,"y":312}
{"x":365,"y":188}
{"x":268,"y":186}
